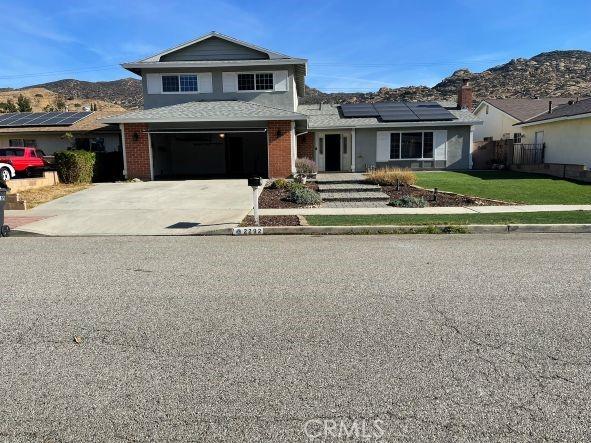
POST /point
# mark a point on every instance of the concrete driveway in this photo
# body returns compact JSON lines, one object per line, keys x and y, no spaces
{"x":146,"y":208}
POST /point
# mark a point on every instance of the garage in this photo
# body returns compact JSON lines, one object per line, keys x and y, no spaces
{"x":188,"y":154}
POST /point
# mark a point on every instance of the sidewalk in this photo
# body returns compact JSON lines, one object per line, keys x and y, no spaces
{"x":433,"y":210}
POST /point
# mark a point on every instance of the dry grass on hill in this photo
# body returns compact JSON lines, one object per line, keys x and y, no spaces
{"x":41,"y":97}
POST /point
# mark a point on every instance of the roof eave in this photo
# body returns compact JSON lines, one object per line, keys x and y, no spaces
{"x":196,"y":120}
{"x":556,"y":119}
{"x":396,"y":125}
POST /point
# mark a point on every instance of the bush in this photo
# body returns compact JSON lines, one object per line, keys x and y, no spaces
{"x":75,"y":166}
{"x":305,"y":166}
{"x":408,"y":201}
{"x":280,"y":183}
{"x":304,"y":196}
{"x":388,"y":176}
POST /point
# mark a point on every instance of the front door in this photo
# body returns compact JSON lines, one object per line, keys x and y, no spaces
{"x":332,"y":154}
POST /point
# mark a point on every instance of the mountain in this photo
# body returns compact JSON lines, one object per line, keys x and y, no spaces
{"x":126,"y":92}
{"x":549,"y":74}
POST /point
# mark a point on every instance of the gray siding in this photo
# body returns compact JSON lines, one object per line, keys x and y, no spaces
{"x":282,"y":100}
{"x":214,"y":48}
{"x":458,"y":150}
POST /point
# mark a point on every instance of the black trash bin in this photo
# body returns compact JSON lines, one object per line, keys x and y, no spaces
{"x":4,"y":229}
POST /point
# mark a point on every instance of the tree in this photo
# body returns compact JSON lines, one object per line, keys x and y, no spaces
{"x":59,"y":103}
{"x":8,"y":106}
{"x":24,"y":104}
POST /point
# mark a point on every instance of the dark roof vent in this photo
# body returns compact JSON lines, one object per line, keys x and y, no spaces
{"x":550,"y":107}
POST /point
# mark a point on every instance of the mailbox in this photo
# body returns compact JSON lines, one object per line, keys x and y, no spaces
{"x":255,"y":182}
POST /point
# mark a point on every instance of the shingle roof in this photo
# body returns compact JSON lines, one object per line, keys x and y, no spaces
{"x":577,"y":108}
{"x":205,"y":111}
{"x":526,"y":108}
{"x":327,"y":116}
{"x":91,"y":123}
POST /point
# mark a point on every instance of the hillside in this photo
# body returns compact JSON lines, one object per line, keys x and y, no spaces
{"x":126,"y":92}
{"x":550,"y":74}
{"x":41,"y":97}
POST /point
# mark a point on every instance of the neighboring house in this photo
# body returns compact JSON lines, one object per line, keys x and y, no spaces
{"x":58,"y":131}
{"x":566,"y":133}
{"x":501,"y":117}
{"x":220,"y":107}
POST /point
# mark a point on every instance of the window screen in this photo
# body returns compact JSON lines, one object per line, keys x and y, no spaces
{"x":188,"y":83}
{"x":427,"y":145}
{"x":395,"y":145}
{"x":170,"y":83}
{"x":246,"y":82}
{"x":411,"y":144}
{"x":264,"y":82}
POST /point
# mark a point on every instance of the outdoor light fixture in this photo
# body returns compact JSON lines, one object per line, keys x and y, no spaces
{"x":222,"y":135}
{"x":136,"y":136}
{"x":279,"y":133}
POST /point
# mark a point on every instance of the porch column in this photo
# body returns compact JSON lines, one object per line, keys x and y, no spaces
{"x":281,"y":138}
{"x":138,"y":158}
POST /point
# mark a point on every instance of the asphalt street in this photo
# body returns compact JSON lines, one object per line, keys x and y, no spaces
{"x":381,"y":338}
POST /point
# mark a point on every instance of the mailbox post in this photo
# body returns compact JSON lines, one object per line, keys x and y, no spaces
{"x":255,"y":183}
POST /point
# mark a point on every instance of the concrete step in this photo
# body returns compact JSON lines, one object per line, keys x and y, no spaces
{"x":14,"y":201}
{"x":355,"y":196}
{"x":348,"y":187}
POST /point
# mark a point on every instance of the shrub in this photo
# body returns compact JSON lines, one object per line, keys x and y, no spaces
{"x":305,"y":166}
{"x":75,"y":166}
{"x":304,"y":196}
{"x":388,"y":176}
{"x":280,"y":183}
{"x":408,"y":201}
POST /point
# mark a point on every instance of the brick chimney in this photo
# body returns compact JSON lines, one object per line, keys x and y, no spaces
{"x":465,"y":95}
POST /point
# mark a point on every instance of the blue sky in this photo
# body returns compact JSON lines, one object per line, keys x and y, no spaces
{"x":351,"y":45}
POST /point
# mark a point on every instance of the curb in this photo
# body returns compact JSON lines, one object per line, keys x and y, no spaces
{"x":420,"y":229}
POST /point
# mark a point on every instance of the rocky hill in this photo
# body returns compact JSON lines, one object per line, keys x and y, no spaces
{"x":126,"y":92}
{"x":550,"y":74}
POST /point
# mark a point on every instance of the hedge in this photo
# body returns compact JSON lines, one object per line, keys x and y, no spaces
{"x":75,"y":166}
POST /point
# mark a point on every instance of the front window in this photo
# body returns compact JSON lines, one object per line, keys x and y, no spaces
{"x":188,"y":83}
{"x":255,"y":82}
{"x":411,"y":145}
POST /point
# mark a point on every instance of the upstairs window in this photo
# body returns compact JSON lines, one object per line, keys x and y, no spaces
{"x":255,"y":82}
{"x":517,"y":137}
{"x":180,"y":83}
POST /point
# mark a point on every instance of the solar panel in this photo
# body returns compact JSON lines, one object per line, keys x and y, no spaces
{"x":398,"y":111}
{"x":431,"y":111}
{"x":351,"y":110}
{"x":20,"y":119}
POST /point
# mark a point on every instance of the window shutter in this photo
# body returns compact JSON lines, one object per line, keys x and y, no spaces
{"x":153,"y":82}
{"x":440,"y":145}
{"x":229,"y":81}
{"x":204,"y":82}
{"x":280,"y":79}
{"x":383,"y":146}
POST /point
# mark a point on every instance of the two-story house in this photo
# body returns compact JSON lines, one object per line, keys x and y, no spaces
{"x":220,"y":107}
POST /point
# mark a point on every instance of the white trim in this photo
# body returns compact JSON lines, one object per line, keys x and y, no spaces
{"x":213,"y":63}
{"x":198,"y":91}
{"x":386,"y":126}
{"x":557,"y":119}
{"x":228,"y":118}
{"x":470,"y":161}
{"x":122,"y":128}
{"x":151,"y":157}
{"x":294,"y":148}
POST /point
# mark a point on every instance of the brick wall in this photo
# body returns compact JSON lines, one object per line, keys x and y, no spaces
{"x":306,"y":145}
{"x":137,"y":152}
{"x":279,"y":133}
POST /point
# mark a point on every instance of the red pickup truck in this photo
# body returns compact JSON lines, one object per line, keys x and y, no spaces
{"x":24,"y":160}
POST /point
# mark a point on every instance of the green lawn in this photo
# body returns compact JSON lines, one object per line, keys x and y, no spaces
{"x":509,"y":186}
{"x":452,"y":219}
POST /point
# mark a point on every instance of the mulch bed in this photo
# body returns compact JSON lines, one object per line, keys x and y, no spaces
{"x":272,"y":220}
{"x":443,"y":199}
{"x":276,"y":198}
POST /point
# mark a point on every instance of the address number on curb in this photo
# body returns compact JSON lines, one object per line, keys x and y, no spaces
{"x":247,"y":231}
